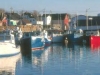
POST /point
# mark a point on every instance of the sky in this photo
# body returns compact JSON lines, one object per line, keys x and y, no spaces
{"x":55,"y":6}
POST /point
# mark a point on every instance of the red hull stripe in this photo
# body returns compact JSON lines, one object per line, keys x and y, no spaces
{"x":38,"y":48}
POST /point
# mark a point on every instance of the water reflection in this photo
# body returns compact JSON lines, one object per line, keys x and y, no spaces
{"x":39,"y":58}
{"x":24,"y":66}
{"x":95,"y":48}
{"x":58,"y":59}
{"x":8,"y":64}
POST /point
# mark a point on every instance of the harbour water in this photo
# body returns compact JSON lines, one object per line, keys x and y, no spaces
{"x":58,"y":59}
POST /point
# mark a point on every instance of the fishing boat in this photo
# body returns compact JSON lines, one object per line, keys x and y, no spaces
{"x":9,"y":44}
{"x":75,"y":36}
{"x":36,"y":41}
{"x":56,"y":36}
{"x":92,"y":37}
{"x":8,"y":64}
{"x":47,"y":38}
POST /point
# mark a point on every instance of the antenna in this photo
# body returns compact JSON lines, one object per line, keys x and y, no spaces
{"x":11,"y":9}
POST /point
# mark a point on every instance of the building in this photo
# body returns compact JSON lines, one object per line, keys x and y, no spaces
{"x":80,"y":21}
{"x":13,"y":18}
{"x":55,"y":20}
{"x":32,"y":19}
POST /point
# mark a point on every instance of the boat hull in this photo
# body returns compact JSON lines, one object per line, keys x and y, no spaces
{"x":8,"y":49}
{"x":72,"y":39}
{"x":47,"y":41}
{"x":57,"y":38}
{"x":93,"y":41}
{"x":32,"y":42}
{"x":37,"y":43}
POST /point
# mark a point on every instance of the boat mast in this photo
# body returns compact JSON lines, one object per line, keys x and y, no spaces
{"x":60,"y":21}
{"x":77,"y":18}
{"x":87,"y":17}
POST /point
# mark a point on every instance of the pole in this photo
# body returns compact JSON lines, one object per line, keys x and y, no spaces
{"x":87,"y":18}
{"x":45,"y":16}
{"x":60,"y":22}
{"x":51,"y":19}
{"x":91,"y":24}
{"x":77,"y":18}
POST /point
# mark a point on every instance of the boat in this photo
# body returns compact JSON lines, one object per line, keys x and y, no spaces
{"x":47,"y":38}
{"x":9,"y":44}
{"x":8,"y":64}
{"x":36,"y":41}
{"x":92,"y":37}
{"x":75,"y":36}
{"x":56,"y":35}
{"x":8,"y":49}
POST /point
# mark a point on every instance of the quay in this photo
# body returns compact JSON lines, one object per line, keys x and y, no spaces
{"x":67,"y":37}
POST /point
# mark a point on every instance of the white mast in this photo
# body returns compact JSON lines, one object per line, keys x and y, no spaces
{"x":87,"y":17}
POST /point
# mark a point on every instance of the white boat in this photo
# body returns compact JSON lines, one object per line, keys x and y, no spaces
{"x":8,"y":45}
{"x":47,"y":38}
{"x":8,"y":49}
{"x":56,"y":36}
{"x":8,"y":64}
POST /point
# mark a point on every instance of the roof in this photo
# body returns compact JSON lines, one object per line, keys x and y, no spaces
{"x":29,"y":14}
{"x":23,"y":22}
{"x":13,"y":16}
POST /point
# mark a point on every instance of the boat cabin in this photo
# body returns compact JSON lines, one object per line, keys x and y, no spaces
{"x":92,"y":32}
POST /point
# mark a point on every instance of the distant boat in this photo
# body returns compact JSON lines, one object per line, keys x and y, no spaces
{"x":56,"y":35}
{"x":92,"y":37}
{"x":47,"y":38}
{"x":75,"y":36}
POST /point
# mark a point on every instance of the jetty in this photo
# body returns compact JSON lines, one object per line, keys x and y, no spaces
{"x":24,"y":28}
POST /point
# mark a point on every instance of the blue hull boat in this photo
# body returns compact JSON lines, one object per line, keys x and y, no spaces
{"x":75,"y":37}
{"x":71,"y":38}
{"x":35,"y":42}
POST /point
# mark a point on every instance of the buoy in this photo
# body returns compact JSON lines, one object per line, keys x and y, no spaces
{"x":66,"y":40}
